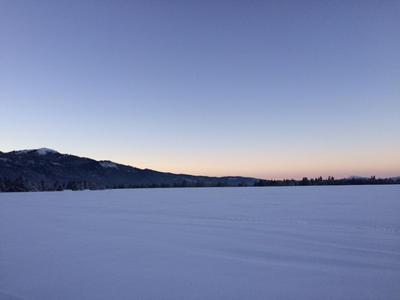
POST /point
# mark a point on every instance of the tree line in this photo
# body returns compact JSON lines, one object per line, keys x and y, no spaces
{"x":327,"y":181}
{"x":21,"y":184}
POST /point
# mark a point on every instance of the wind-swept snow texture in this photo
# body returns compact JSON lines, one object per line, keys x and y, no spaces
{"x":208,"y":243}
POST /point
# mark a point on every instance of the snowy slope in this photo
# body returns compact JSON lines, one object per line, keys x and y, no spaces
{"x":225,"y":243}
{"x":40,"y":151}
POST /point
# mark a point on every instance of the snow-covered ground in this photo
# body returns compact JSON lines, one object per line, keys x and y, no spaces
{"x":202,"y":243}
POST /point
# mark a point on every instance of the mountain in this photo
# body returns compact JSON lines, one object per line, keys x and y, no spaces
{"x":47,"y":169}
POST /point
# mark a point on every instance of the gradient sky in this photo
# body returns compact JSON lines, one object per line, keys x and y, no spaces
{"x":256,"y":88}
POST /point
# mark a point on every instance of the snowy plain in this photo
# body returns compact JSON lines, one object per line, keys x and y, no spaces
{"x":319,"y":242}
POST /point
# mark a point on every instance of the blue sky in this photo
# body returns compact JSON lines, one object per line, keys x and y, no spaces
{"x":264,"y":88}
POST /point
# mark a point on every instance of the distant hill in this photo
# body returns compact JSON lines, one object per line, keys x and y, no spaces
{"x":47,"y":169}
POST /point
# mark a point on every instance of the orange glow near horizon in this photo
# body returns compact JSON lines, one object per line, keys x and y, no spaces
{"x":279,"y":168}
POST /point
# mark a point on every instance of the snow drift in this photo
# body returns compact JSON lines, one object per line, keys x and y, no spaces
{"x":225,"y":243}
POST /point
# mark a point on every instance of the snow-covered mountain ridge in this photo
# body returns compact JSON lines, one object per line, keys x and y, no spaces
{"x":47,"y":169}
